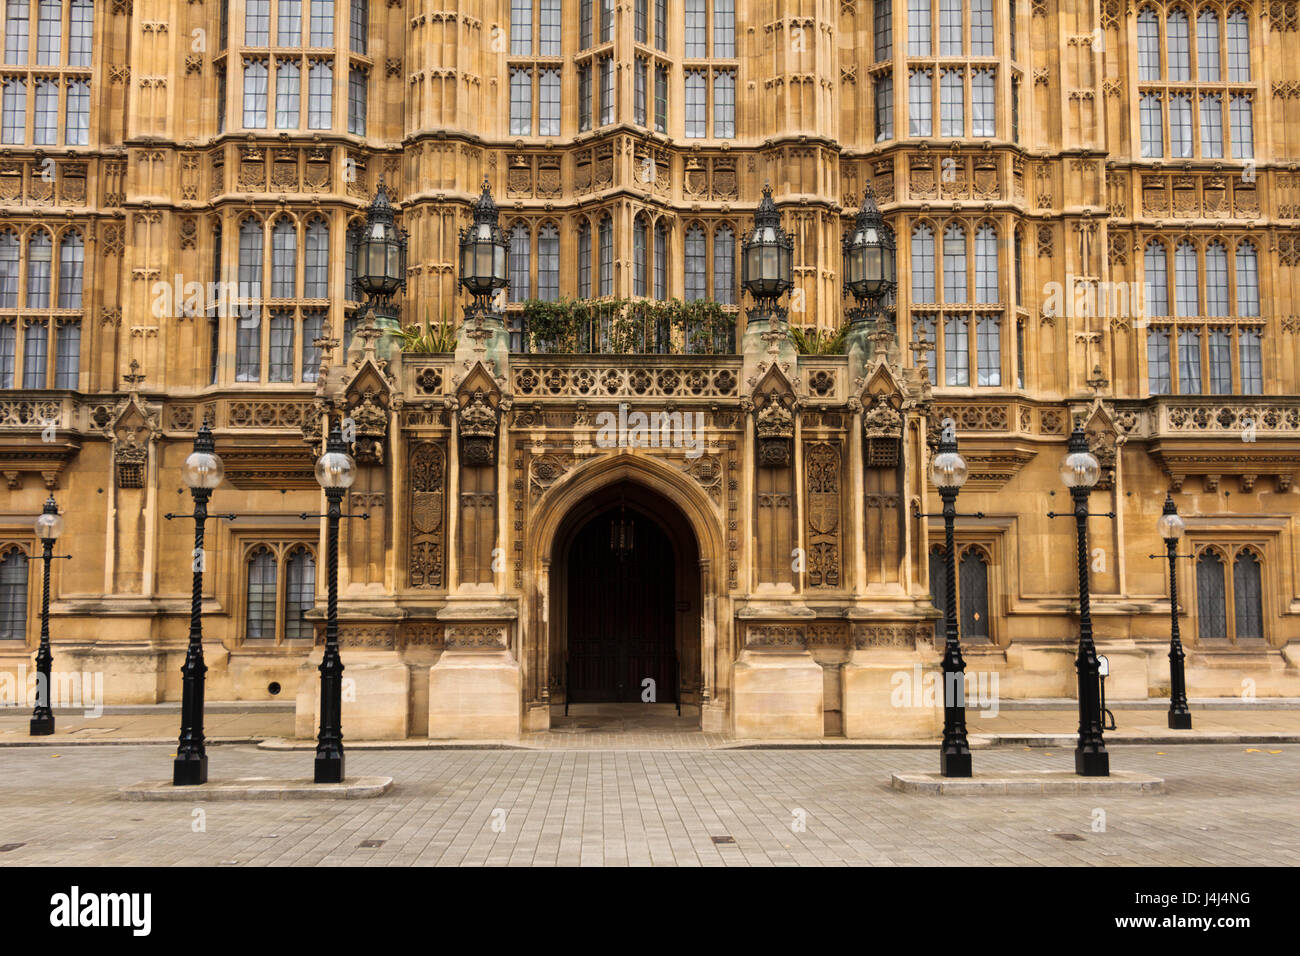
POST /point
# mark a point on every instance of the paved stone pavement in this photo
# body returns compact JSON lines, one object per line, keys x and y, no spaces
{"x":1224,"y":805}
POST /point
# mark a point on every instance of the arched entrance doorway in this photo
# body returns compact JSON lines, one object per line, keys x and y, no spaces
{"x":625,"y":592}
{"x":622,"y":597}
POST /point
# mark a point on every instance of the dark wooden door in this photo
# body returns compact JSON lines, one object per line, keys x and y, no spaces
{"x":621,"y":614}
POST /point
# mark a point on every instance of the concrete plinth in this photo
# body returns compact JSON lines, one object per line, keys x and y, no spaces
{"x":376,"y":696}
{"x":474,"y":694}
{"x":891,"y":695}
{"x":1051,"y":782}
{"x":260,"y":788}
{"x":777,"y":693}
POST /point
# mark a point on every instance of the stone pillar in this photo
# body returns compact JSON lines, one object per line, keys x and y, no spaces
{"x":777,"y":687}
{"x":475,"y":687}
{"x":892,"y":684}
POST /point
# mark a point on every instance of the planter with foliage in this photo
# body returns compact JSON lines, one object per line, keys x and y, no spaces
{"x":626,"y":326}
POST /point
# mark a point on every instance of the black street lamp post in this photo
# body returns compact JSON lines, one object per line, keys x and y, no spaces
{"x":48,"y":527}
{"x":1080,"y":471}
{"x":335,"y":470}
{"x":203,"y":471}
{"x":1171,"y":526}
{"x":948,"y":471}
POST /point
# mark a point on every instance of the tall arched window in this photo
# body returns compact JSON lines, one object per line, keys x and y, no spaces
{"x":250,"y":260}
{"x":954,"y":265}
{"x":640,"y":242}
{"x":1207,"y":47}
{"x":261,"y":596}
{"x":986,"y":265}
{"x":724,"y":266}
{"x":350,"y":293}
{"x":520,"y":254}
{"x":49,"y":38}
{"x":10,"y":258}
{"x":13,"y":595}
{"x":316,"y":264}
{"x":81,"y":22}
{"x":1186,"y":283}
{"x":72,"y":259}
{"x":661,"y":260}
{"x":1247,"y":598}
{"x":1216,"y":279}
{"x":548,"y":263}
{"x":38,"y":270}
{"x":1157,"y":279}
{"x":284,"y":259}
{"x":1148,"y":44}
{"x":923,"y":264}
{"x":584,"y":260}
{"x":1211,"y":597}
{"x":973,"y":578}
{"x":695,"y":264}
{"x":607,"y":256}
{"x":300,"y":594}
{"x":1238,"y":47}
{"x":1180,"y":66}
{"x":1247,"y":279}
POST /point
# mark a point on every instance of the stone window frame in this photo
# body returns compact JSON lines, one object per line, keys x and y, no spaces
{"x":1228,"y":550}
{"x":282,"y":549}
{"x":52,"y":317}
{"x":987,"y":543}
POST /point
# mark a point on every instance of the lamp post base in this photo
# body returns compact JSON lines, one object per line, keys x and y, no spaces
{"x":42,"y":726}
{"x":1180,"y":719}
{"x":190,"y":771}
{"x":329,"y":768}
{"x":954,"y":763}
{"x":1092,"y":763}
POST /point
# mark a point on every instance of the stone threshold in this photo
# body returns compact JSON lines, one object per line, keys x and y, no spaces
{"x":1043,"y":783}
{"x":259,"y":788}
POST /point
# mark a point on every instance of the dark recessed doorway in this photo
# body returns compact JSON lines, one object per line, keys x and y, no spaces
{"x":621,"y":610}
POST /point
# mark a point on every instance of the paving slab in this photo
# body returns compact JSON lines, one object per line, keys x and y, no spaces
{"x":259,"y":788}
{"x":1027,"y":783}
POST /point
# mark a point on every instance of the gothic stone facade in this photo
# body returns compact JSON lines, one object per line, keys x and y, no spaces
{"x":1106,"y":147}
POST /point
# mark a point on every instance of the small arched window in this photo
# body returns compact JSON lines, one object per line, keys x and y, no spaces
{"x":607,"y":256}
{"x":584,"y":260}
{"x":954,"y":265}
{"x":923,"y":264}
{"x":1247,"y":597}
{"x":1216,"y":279}
{"x":10,"y":257}
{"x":39,"y":250}
{"x":986,"y":265}
{"x":1156,"y":275}
{"x":661,"y":260}
{"x":520,"y":264}
{"x":1211,"y":597}
{"x":284,"y":259}
{"x":640,"y":262}
{"x":724,"y":266}
{"x":261,"y":596}
{"x":250,"y":262}
{"x":695,"y":264}
{"x":13,"y":595}
{"x":1247,"y":279}
{"x":316,"y":262}
{"x":1186,"y":293}
{"x":72,"y":260}
{"x":548,"y":263}
{"x":300,"y":594}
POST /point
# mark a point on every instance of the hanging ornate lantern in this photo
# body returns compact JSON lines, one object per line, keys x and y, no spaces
{"x":621,"y":538}
{"x":768,"y":254}
{"x":483,"y":250}
{"x":380,"y":252}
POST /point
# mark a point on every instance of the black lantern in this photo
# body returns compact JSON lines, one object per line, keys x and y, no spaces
{"x":381,"y":252}
{"x":869,"y":254}
{"x":483,"y":250}
{"x":766,"y":264}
